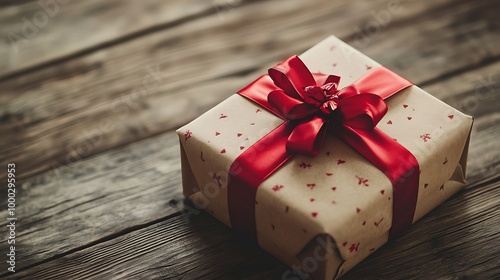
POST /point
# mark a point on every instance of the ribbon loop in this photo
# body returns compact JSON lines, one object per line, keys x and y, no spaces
{"x":300,"y":98}
{"x":288,"y":107}
{"x":362,"y":111}
{"x":292,"y":76}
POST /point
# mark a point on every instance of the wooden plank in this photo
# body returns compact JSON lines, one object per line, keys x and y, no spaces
{"x":171,"y":249}
{"x":95,"y":102}
{"x":91,"y":200}
{"x":95,"y":199}
{"x":40,"y":32}
{"x":201,"y":247}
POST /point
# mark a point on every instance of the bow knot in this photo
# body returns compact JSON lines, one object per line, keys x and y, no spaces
{"x":324,"y":97}
{"x":315,"y":103}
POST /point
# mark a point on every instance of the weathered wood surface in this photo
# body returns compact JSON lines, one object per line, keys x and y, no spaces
{"x":96,"y":195}
{"x":159,"y":239}
{"x":41,"y":33}
{"x":118,"y":212}
{"x":58,"y":115}
{"x":179,"y":248}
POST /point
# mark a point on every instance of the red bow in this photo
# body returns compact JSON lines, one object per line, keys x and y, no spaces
{"x":312,"y":107}
{"x":351,"y":114}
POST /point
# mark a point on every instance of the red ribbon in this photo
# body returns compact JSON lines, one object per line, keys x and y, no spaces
{"x":312,"y":105}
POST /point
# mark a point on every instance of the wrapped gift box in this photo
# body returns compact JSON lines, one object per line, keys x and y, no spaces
{"x":323,"y":214}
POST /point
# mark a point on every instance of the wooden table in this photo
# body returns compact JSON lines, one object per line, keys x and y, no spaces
{"x":98,"y":190}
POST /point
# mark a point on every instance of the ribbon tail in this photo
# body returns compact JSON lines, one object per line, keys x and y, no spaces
{"x":307,"y":137}
{"x":397,"y":163}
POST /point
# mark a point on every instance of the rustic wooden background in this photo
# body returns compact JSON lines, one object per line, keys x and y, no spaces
{"x":97,"y":159}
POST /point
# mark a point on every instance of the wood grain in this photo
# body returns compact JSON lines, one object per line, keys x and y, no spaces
{"x":194,"y":246}
{"x":91,"y":200}
{"x":64,"y":113}
{"x":38,"y":33}
{"x":100,"y":194}
{"x":171,"y":249}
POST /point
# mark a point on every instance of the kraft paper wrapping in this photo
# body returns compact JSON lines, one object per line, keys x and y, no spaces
{"x":337,"y":200}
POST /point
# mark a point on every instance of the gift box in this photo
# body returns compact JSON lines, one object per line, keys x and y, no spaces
{"x":324,"y":159}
